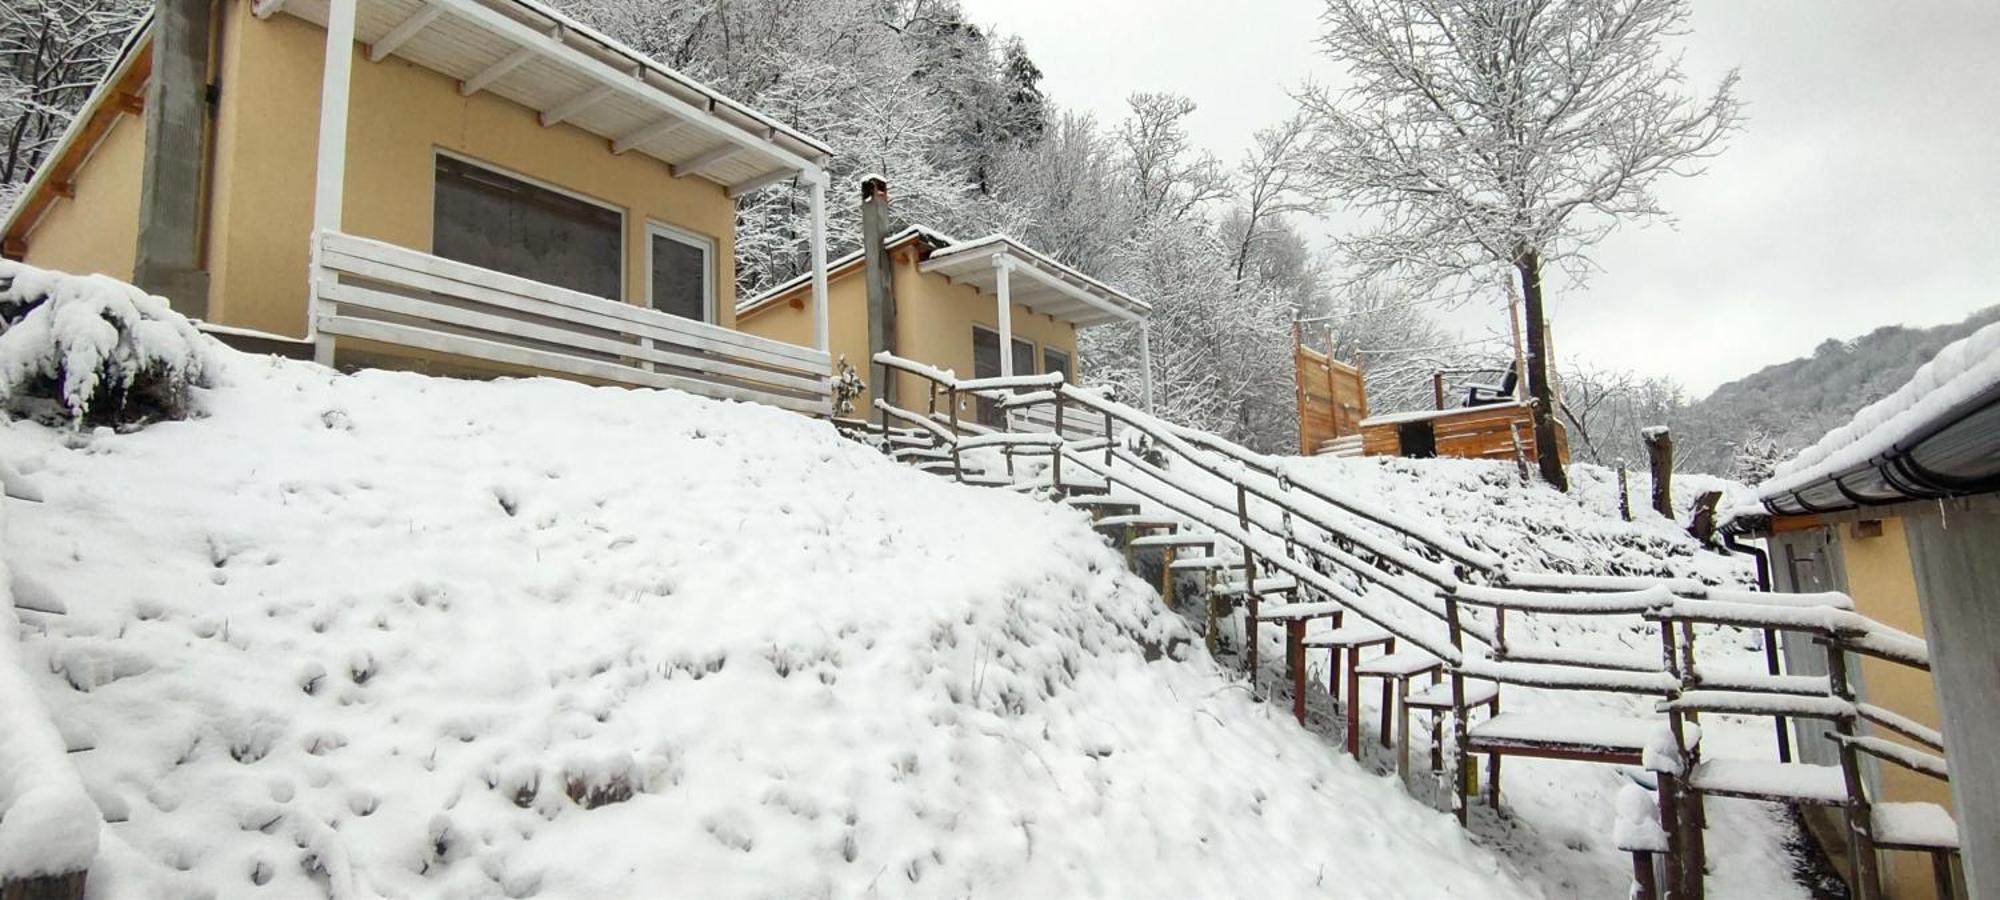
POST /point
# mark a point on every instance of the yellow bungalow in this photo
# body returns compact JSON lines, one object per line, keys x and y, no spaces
{"x":461,"y":186}
{"x":955,"y":305}
{"x":1901,"y":510}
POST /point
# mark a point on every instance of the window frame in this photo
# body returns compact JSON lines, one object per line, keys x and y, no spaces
{"x":624,"y":215}
{"x":709,"y":249}
{"x":1069,"y":362}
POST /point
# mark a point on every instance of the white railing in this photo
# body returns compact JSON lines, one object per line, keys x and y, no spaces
{"x":372,"y":291}
{"x":1076,"y":425}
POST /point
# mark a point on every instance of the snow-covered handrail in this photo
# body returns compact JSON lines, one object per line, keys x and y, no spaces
{"x":48,"y":824}
{"x":1641,"y":601}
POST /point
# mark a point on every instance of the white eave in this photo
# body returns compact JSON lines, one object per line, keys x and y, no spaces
{"x":801,"y":280}
{"x":1041,"y":283}
{"x":541,"y":59}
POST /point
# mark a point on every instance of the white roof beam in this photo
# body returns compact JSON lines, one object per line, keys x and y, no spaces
{"x":583,"y":63}
{"x":705,"y":159}
{"x":659,"y":129}
{"x":562,"y":111}
{"x":402,"y":33}
{"x":485,"y":77}
{"x":761,"y":181}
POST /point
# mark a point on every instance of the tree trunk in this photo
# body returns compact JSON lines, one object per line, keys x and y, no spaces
{"x":1539,"y":390}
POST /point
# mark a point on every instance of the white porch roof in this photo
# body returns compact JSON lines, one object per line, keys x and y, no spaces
{"x":1044,"y":285}
{"x":537,"y":57}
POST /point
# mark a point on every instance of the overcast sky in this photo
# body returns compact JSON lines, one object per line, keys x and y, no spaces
{"x":1864,"y":190}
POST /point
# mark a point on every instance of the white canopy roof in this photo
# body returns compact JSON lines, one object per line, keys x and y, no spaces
{"x":1042,"y":284}
{"x":537,"y":57}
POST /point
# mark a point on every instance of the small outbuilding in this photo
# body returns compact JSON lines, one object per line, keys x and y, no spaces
{"x":951,"y":304}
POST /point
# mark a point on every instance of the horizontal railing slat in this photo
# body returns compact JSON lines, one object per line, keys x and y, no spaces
{"x":495,"y":351}
{"x":353,"y":247}
{"x":381,"y":301}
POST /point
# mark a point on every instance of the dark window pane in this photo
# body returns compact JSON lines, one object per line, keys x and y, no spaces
{"x":680,"y":278}
{"x":1054,"y":360}
{"x":495,"y":222}
{"x":1024,"y":357}
{"x":986,"y":364}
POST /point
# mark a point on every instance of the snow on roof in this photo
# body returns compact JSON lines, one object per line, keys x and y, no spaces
{"x":1425,"y":414}
{"x":795,"y":282}
{"x":1960,"y":372}
{"x":1049,"y":265}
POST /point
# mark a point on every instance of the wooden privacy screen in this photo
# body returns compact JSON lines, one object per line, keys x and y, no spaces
{"x":1331,"y":401}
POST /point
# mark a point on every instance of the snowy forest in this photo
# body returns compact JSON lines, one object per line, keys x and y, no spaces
{"x":953,"y":113}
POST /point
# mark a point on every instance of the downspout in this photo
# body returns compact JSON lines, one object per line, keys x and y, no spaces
{"x":1771,"y":662}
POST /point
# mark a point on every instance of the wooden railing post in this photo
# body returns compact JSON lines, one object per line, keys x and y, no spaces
{"x":1860,"y":834}
{"x":1249,"y":581}
{"x":957,"y":466}
{"x":1055,"y":465}
{"x":1462,"y":784}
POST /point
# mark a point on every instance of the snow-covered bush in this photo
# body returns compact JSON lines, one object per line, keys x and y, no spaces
{"x":101,"y":350}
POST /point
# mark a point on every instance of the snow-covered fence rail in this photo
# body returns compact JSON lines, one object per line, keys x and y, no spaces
{"x":48,"y":824}
{"x":370,"y":291}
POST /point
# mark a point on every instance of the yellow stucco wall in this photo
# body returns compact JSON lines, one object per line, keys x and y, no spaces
{"x":400,"y":115}
{"x":1883,"y":584}
{"x":934,"y":320}
{"x":98,"y":230}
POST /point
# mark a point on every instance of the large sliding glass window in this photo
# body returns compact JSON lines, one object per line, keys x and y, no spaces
{"x":500,"y":222}
{"x":682,"y":283}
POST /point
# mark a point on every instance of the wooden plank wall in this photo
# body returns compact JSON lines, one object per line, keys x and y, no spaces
{"x":1484,"y":432}
{"x":1331,"y":400}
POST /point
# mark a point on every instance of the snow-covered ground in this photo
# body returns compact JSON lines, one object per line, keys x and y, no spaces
{"x":386,"y":634}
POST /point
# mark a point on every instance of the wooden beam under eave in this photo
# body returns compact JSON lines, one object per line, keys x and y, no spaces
{"x":760,"y":182}
{"x":404,"y":31}
{"x":561,"y":112}
{"x":485,"y":77}
{"x":132,"y":104}
{"x":694,"y":165}
{"x":658,"y":129}
{"x":65,"y":189}
{"x":14,"y":248}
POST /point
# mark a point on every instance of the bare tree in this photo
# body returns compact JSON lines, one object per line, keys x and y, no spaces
{"x":1490,"y":136}
{"x":1279,"y":180}
{"x":51,"y":53}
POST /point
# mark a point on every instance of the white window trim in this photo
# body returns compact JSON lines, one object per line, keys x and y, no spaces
{"x":707,"y":245}
{"x":624,"y":215}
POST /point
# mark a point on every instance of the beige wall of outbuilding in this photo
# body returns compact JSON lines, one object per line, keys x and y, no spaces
{"x":98,"y":229}
{"x":934,"y":321}
{"x":1881,"y":578}
{"x":400,"y":116}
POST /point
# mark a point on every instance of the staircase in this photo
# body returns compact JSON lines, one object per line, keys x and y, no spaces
{"x":1407,"y":603}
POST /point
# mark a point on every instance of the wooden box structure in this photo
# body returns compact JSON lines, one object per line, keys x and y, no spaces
{"x":1497,"y":431}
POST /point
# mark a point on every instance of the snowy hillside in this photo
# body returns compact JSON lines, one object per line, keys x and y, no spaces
{"x":384,"y":634}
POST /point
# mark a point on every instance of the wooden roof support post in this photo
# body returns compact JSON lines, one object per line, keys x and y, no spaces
{"x":816,"y":182}
{"x":1002,"y":268}
{"x":1146,"y":364}
{"x":330,"y":162}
